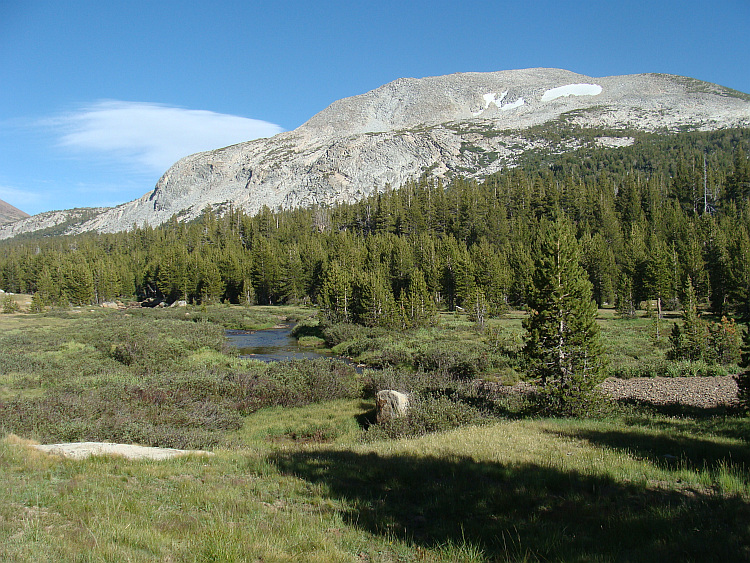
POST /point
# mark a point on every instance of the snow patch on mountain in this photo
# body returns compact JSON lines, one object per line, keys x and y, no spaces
{"x":492,"y":98}
{"x":408,"y":128}
{"x":572,"y":90}
{"x":517,"y":104}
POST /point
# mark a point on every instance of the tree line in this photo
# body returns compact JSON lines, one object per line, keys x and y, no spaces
{"x":646,"y":218}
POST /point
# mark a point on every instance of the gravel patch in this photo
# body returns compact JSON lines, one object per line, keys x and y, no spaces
{"x":699,"y":392}
{"x":702,"y":392}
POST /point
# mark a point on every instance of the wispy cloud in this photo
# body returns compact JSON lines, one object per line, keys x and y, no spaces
{"x":19,"y":198}
{"x":152,"y":135}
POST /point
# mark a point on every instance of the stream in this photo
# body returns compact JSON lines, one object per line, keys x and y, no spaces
{"x":271,"y":345}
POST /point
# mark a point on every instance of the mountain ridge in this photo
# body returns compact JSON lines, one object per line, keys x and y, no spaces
{"x":10,"y":214}
{"x":471,"y":124}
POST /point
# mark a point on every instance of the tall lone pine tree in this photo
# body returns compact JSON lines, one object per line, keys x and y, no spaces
{"x":562,"y":338}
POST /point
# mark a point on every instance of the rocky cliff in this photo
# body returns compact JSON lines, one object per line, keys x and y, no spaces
{"x":469,"y":124}
{"x":9,"y":214}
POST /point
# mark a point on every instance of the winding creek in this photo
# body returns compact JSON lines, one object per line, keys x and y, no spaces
{"x":271,"y":345}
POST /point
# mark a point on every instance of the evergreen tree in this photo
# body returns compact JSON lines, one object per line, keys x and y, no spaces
{"x":336,"y":293}
{"x":478,"y":308}
{"x":743,"y":378}
{"x":717,"y":262}
{"x":689,"y":341}
{"x":738,"y":182}
{"x":738,"y":270}
{"x":724,"y":342}
{"x":418,"y":306}
{"x":658,"y":271}
{"x":48,"y":291}
{"x":210,"y":284}
{"x":562,"y":338}
{"x":492,"y":274}
{"x":266,"y":271}
{"x":77,"y":281}
{"x":600,"y":264}
{"x":372,"y":302}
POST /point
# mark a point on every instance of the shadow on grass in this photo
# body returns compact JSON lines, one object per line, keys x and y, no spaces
{"x":524,"y":511}
{"x":368,"y":417}
{"x":726,"y":421}
{"x":670,"y":450}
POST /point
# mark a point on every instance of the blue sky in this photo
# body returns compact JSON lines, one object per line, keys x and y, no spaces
{"x":99,"y":98}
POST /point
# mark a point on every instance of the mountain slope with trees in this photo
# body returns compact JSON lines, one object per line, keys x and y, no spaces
{"x":647,"y":217}
{"x":469,"y":125}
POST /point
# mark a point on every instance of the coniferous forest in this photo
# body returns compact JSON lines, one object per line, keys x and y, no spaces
{"x":301,"y":466}
{"x":648,"y":218}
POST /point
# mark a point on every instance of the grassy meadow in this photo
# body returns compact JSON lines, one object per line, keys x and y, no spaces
{"x":299,"y":474}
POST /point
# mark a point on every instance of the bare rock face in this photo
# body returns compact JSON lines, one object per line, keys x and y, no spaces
{"x":390,"y":404}
{"x":465,"y":124}
{"x":83,"y":450}
{"x":53,"y":222}
{"x":9,"y":214}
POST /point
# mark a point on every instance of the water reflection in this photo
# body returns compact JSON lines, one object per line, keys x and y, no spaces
{"x":270,"y":345}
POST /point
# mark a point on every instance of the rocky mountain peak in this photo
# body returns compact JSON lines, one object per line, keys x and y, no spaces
{"x":461,"y":124}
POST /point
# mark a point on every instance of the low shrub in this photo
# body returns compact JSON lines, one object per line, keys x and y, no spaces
{"x":438,"y":401}
{"x":311,"y":342}
{"x":463,"y":360}
{"x":296,"y":383}
{"x":154,"y":416}
{"x":430,"y":412}
{"x":154,"y":346}
{"x":558,"y":402}
{"x":9,"y":305}
{"x":309,"y":327}
{"x":344,"y":332}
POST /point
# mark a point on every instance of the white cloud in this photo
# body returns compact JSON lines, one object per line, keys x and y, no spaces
{"x":19,"y":198}
{"x":153,"y":135}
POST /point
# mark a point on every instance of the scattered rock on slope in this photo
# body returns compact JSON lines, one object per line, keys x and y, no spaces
{"x":469,"y":124}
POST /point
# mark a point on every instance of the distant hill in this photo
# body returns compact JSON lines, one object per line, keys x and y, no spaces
{"x":470,"y":125}
{"x":9,"y":214}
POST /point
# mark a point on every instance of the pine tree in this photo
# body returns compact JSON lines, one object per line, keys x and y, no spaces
{"x":492,"y":274}
{"x":624,"y":299}
{"x":743,"y":378}
{"x":210,"y":285}
{"x":266,"y":271}
{"x":724,"y":342}
{"x":77,"y":281}
{"x":562,"y":338}
{"x":478,"y":308}
{"x":419,"y":308}
{"x":336,"y":293}
{"x":372,"y":302}
{"x":689,"y":342}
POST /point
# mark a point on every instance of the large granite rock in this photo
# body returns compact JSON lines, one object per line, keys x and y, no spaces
{"x":391,"y":404}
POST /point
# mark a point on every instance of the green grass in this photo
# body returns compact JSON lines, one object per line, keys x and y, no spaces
{"x":630,"y":346}
{"x":299,"y":475}
{"x":519,"y":491}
